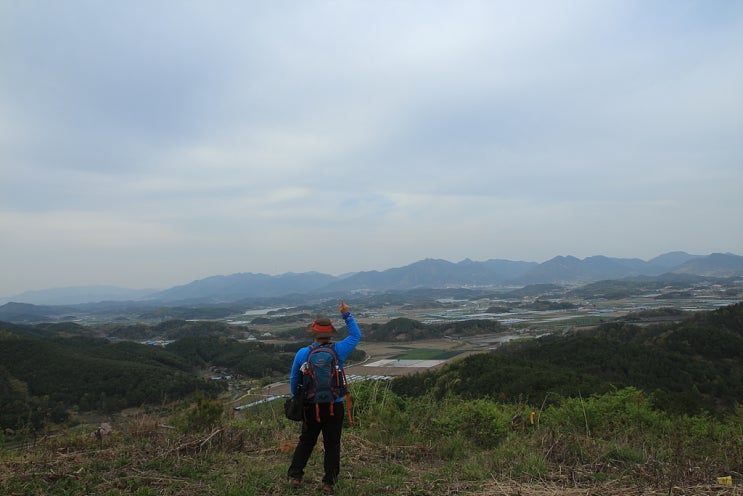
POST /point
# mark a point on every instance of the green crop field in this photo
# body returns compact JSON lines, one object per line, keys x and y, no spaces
{"x":426,"y":354}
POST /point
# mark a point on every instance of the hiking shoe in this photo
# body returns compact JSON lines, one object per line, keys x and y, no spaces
{"x":295,"y":484}
{"x":327,"y":489}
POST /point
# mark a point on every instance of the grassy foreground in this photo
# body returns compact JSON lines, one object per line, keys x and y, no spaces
{"x":614,"y":444}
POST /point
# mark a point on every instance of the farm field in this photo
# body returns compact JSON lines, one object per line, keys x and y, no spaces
{"x":394,"y":359}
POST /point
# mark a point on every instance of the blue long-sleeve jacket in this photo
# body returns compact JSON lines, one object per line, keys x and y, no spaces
{"x":342,"y":348}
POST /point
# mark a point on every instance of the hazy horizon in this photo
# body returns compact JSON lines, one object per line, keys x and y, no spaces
{"x":149,"y":145}
{"x":109,"y":287}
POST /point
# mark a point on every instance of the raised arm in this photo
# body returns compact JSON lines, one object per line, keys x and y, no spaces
{"x":345,"y":347}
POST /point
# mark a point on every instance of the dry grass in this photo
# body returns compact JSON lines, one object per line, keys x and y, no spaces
{"x":145,"y":457}
{"x":615,"y":488}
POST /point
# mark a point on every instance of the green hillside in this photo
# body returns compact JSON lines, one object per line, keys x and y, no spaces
{"x":41,"y":377}
{"x":622,"y":409}
{"x":613,"y":444}
{"x":690,"y":367}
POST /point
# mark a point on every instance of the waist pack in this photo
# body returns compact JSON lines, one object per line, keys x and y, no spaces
{"x":294,"y":406}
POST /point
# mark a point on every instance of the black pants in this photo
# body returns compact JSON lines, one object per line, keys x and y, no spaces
{"x":331,"y":427}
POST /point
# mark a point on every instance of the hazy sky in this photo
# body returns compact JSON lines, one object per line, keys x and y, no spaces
{"x":150,"y":143}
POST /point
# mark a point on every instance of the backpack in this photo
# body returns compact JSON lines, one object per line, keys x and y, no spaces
{"x":323,"y":380}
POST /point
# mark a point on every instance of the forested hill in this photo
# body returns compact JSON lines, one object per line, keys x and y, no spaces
{"x":41,"y":378}
{"x":692,"y":366}
{"x":689,"y":367}
{"x":46,"y":369}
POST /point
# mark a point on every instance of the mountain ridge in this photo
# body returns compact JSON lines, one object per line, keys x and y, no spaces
{"x":426,"y":273}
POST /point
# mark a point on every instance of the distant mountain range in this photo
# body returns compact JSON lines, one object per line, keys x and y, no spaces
{"x":428,"y":273}
{"x":79,"y":294}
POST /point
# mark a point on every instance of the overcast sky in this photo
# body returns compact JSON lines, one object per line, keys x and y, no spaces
{"x":147,"y":144}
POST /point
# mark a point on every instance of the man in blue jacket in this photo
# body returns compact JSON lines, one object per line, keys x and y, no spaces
{"x":329,"y":418}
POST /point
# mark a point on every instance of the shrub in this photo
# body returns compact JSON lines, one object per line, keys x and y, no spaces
{"x":480,"y":421}
{"x":198,"y":415}
{"x":623,"y":413}
{"x":375,"y":405}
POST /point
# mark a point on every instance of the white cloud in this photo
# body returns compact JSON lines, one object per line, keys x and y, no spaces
{"x":84,"y":230}
{"x":234,"y":134}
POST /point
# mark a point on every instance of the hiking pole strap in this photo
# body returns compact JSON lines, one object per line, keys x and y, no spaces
{"x":349,"y":408}
{"x":348,"y":399}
